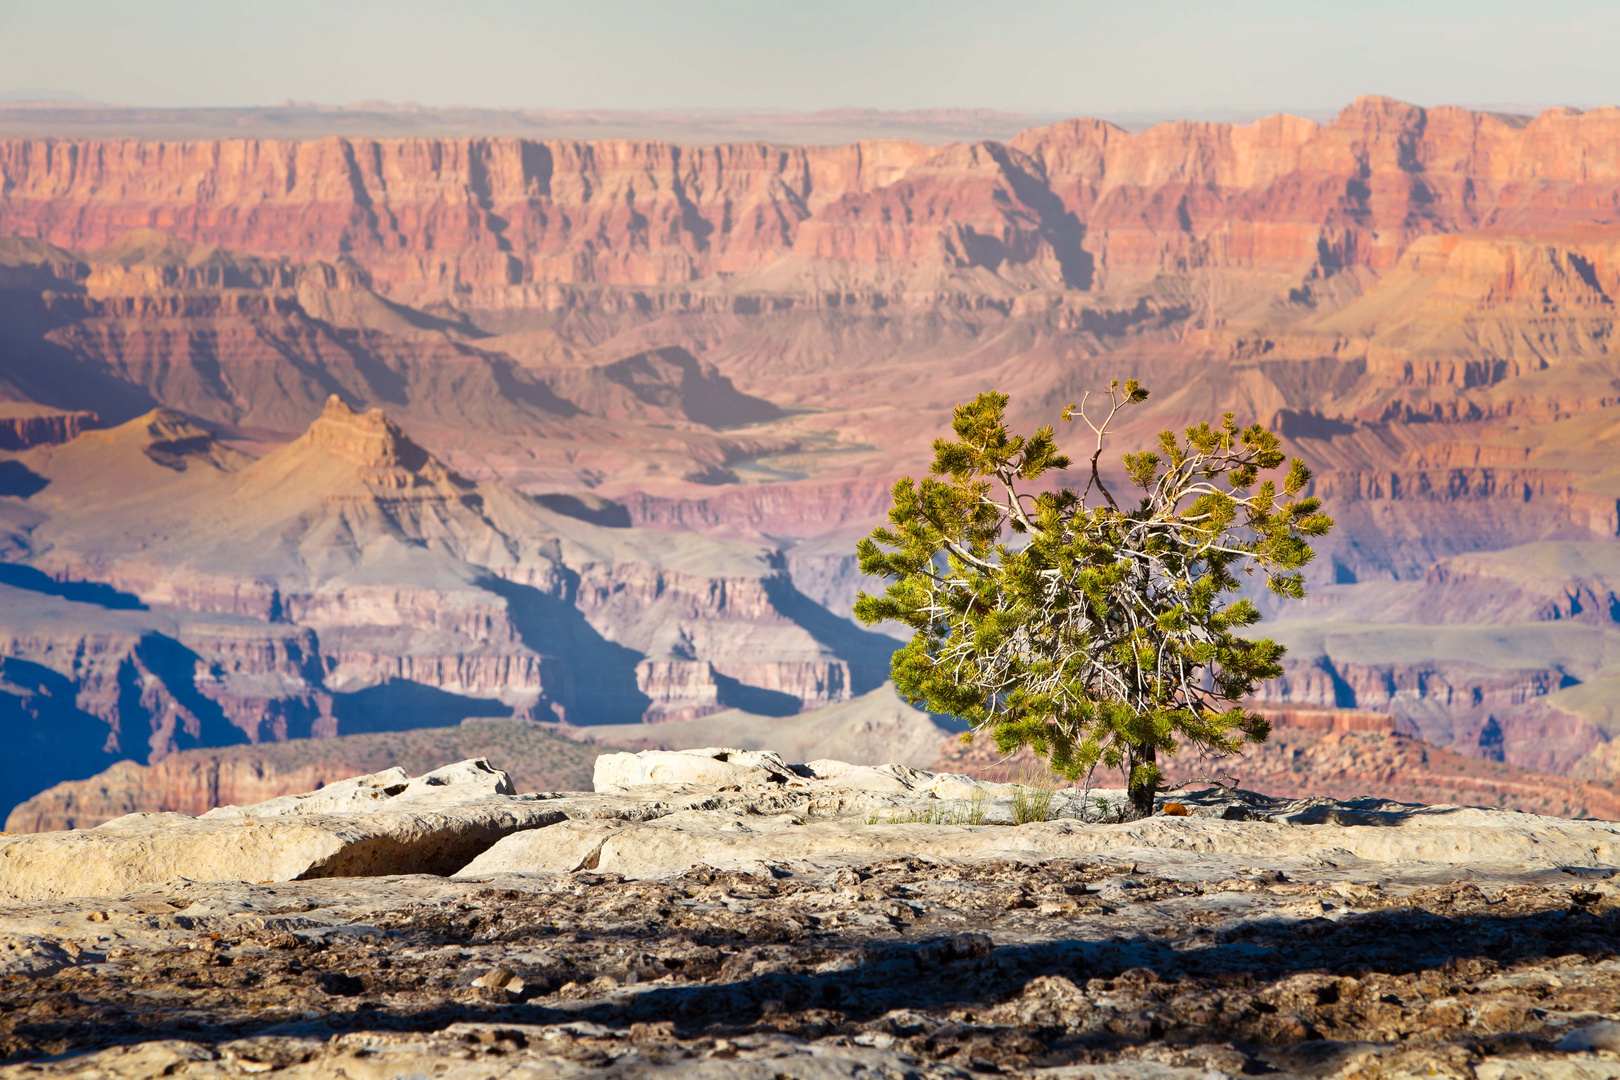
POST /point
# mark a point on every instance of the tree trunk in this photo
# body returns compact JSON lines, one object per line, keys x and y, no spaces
{"x":1142,"y":794}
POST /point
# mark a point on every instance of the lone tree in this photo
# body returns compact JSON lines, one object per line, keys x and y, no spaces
{"x":1107,"y":632}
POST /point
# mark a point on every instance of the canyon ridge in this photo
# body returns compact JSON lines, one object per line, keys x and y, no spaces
{"x":330,"y":436}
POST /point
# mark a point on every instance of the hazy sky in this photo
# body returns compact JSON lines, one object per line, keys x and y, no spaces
{"x":1187,"y":56}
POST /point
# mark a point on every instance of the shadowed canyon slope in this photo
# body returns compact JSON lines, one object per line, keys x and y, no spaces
{"x":166,"y":591}
{"x":752,"y":341}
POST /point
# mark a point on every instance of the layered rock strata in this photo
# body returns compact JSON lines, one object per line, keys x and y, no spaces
{"x":24,"y":425}
{"x":350,"y":581}
{"x":1073,"y":202}
{"x":755,"y":341}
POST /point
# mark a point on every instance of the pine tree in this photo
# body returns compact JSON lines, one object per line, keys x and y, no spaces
{"x":1098,"y":632}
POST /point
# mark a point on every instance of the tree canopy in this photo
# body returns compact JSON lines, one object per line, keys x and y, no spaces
{"x":1094,"y":630}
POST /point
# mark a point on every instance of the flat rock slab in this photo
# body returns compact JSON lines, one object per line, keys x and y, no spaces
{"x":406,"y":835}
{"x":672,"y":843}
{"x":663,"y":813}
{"x":147,"y":849}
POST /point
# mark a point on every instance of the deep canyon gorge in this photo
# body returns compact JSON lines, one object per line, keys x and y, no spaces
{"x":344,"y":435}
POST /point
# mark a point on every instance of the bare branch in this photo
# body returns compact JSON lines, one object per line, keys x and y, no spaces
{"x":1226,"y":781}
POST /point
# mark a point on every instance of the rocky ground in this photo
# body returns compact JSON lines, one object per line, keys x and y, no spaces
{"x":1247,"y":936}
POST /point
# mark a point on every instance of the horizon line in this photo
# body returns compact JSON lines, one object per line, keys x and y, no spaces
{"x":70,"y":101}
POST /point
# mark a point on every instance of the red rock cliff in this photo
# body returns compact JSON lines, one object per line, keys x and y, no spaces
{"x":1074,"y":201}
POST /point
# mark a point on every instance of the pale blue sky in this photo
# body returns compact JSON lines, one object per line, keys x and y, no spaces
{"x":1179,"y":56}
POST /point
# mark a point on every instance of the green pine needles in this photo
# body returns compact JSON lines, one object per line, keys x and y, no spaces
{"x":1107,"y":632}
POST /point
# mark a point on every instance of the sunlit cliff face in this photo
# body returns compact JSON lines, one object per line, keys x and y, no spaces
{"x":753,"y":342}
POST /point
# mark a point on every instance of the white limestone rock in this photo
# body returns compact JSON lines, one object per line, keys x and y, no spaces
{"x":876,"y":779}
{"x":475,"y":776}
{"x":110,"y":861}
{"x":659,"y":813}
{"x":1603,"y":1035}
{"x":435,"y":824}
{"x":390,"y":788}
{"x":954,"y":786}
{"x":669,"y":845}
{"x":723,"y":767}
{"x":382,"y":823}
{"x":710,"y":767}
{"x":26,"y":954}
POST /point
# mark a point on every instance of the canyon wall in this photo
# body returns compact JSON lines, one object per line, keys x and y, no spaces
{"x":24,"y":425}
{"x":348,"y":581}
{"x":1074,"y":203}
{"x":747,"y":344}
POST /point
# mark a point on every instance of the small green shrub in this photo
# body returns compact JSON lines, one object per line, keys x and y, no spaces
{"x":1032,"y":794}
{"x":956,"y":812}
{"x":1031,"y":804}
